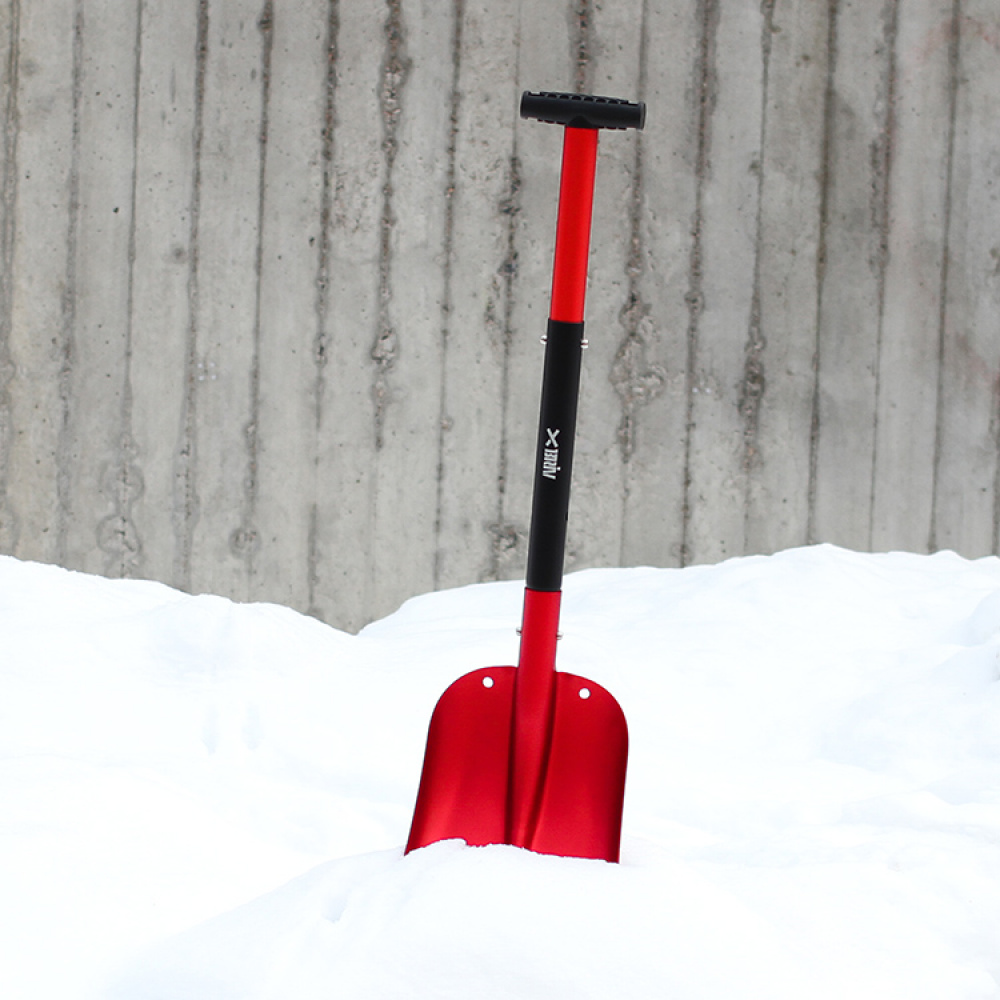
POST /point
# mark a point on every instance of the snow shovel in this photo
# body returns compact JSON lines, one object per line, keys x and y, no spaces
{"x":530,"y":756}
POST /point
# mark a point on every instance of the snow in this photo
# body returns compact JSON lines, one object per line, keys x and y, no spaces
{"x":202,"y":799}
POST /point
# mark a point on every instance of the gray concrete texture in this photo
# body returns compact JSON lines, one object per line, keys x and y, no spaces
{"x":274,"y":274}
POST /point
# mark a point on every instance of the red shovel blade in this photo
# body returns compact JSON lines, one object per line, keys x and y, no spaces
{"x":464,"y":787}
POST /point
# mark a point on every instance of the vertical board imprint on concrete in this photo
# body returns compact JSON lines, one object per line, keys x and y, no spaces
{"x":912,"y":302}
{"x":454,"y":104}
{"x":117,"y":536}
{"x":722,"y":283}
{"x":9,"y":125}
{"x":184,"y":467}
{"x":779,"y":378}
{"x":322,"y":346}
{"x":857,"y":149}
{"x":967,"y":479}
{"x":703,"y":87}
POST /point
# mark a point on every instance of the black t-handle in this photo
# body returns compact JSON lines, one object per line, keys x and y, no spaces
{"x":583,"y":110}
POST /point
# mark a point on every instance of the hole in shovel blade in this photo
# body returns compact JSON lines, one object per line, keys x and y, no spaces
{"x":584,"y":693}
{"x":487,"y":682}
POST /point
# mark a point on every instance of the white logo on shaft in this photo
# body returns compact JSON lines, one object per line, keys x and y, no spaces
{"x":550,"y":454}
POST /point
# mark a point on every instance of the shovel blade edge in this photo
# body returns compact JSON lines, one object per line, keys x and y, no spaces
{"x":464,"y":785}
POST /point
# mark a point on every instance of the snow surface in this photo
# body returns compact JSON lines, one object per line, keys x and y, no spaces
{"x":200,"y":799}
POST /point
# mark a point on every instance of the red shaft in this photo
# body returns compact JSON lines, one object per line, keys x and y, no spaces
{"x":576,"y":206}
{"x":534,"y":691}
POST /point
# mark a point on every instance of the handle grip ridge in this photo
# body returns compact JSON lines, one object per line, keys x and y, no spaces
{"x":583,"y":110}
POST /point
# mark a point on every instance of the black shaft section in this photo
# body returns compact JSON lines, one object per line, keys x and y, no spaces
{"x":554,"y":455}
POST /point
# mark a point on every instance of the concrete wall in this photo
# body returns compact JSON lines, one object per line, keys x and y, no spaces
{"x":274,"y":273}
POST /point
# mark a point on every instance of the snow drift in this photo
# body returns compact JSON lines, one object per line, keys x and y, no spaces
{"x":209,"y":800}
